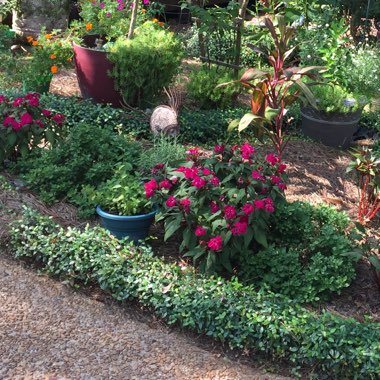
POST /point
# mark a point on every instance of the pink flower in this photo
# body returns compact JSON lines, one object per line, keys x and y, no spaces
{"x":257,"y":175}
{"x":190,"y":173}
{"x":229,"y":212}
{"x":146,"y":2}
{"x":173,"y":179}
{"x":165,"y":184}
{"x":275,"y":179}
{"x":216,"y":243}
{"x":16,"y":126}
{"x":234,"y":147}
{"x":102,"y":5}
{"x":26,"y":118}
{"x":239,"y":228}
{"x":282,"y":186}
{"x":269,"y":205}
{"x":214,"y":207}
{"x":157,"y":168}
{"x":215,"y":181}
{"x":206,"y":171}
{"x":185,"y":203}
{"x":219,"y":149}
{"x":259,"y":204}
{"x":8,"y":121}
{"x":121,"y":6}
{"x":171,"y":201}
{"x":198,"y":182}
{"x":246,"y":151}
{"x":58,"y":118}
{"x":150,"y":188}
{"x":281,"y":168}
{"x":272,"y":158}
{"x":248,"y":208}
{"x":17,"y":102}
{"x":181,"y":169}
{"x":39,"y":123}
{"x":2,"y":99}
{"x":34,"y":102}
{"x":46,"y":112}
{"x":200,"y":231}
{"x":108,"y":14}
{"x":193,"y":152}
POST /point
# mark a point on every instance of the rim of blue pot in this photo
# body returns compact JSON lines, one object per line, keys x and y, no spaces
{"x":120,"y":217}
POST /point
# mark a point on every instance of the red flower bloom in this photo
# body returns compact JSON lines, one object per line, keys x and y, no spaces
{"x":157,"y":168}
{"x":216,"y":243}
{"x":171,"y":201}
{"x":206,"y":171}
{"x":165,"y":184}
{"x":17,"y":102}
{"x":282,"y":186}
{"x":190,"y":173}
{"x":259,"y":204}
{"x":214,"y":207}
{"x":269,"y":205}
{"x":26,"y":118}
{"x":39,"y":123}
{"x":200,"y":231}
{"x":219,"y":149}
{"x":186,"y":202}
{"x":275,"y":179}
{"x":248,"y":208}
{"x":198,"y":182}
{"x":281,"y":168}
{"x":239,"y":228}
{"x":246,"y":151}
{"x":34,"y":102}
{"x":46,"y":112}
{"x":215,"y":181}
{"x":58,"y":118}
{"x":257,"y":175}
{"x":2,"y":99}
{"x":272,"y":158}
{"x":229,"y":212}
{"x":150,"y":188}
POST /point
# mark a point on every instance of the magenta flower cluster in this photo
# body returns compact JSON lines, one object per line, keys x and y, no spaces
{"x":222,"y":196}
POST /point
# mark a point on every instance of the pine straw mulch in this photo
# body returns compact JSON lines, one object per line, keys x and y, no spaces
{"x":317,"y":174}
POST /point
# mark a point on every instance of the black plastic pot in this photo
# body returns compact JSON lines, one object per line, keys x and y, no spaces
{"x":332,"y":131}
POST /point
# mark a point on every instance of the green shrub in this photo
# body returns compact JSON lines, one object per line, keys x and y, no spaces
{"x":87,"y":157}
{"x":333,"y":347}
{"x":203,"y":83}
{"x":308,"y":257}
{"x":166,"y":150}
{"x":145,"y":64}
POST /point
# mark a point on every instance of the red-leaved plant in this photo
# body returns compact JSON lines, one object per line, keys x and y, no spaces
{"x":270,"y":90}
{"x":24,"y":124}
{"x":223,"y":199}
{"x":366,"y":164}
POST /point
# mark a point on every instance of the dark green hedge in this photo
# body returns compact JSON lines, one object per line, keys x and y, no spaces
{"x":226,"y":310}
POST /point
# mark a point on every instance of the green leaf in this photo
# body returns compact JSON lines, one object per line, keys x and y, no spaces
{"x":233,"y":125}
{"x":260,"y":236}
{"x":247,"y":119}
{"x":375,"y":261}
{"x":172,"y":226}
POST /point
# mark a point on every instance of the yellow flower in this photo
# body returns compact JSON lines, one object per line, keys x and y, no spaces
{"x":88,"y":26}
{"x":54,"y":69}
{"x":155,"y":20}
{"x":53,"y":56}
{"x":48,"y":36}
{"x":143,"y":10}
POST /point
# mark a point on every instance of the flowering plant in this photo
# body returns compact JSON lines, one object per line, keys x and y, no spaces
{"x":224,"y":199}
{"x":24,"y":124}
{"x":49,"y":54}
{"x":108,"y":18}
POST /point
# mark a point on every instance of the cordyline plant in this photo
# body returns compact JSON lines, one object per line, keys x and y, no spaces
{"x":271,"y":95}
{"x":223,"y":200}
{"x":366,"y":164}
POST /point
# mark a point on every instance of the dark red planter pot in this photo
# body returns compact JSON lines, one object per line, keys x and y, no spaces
{"x":92,"y":68}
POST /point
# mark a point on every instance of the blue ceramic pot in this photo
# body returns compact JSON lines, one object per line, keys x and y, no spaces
{"x":134,"y":227}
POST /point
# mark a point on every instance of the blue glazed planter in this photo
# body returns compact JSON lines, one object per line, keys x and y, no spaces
{"x":134,"y":227}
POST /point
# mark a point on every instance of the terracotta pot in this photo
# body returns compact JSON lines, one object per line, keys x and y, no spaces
{"x":93,"y":69}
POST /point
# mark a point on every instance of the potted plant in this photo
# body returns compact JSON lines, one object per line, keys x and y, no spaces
{"x":122,"y":205}
{"x":111,"y":66}
{"x":335,"y":119}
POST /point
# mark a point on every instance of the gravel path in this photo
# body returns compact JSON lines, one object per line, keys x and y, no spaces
{"x":48,"y":331}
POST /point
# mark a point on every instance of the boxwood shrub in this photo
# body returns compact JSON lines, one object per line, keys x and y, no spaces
{"x":226,"y":310}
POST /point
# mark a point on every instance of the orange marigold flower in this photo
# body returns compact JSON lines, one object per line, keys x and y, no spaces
{"x":143,"y":10}
{"x":54,"y":69}
{"x":35,"y":43}
{"x":29,"y":39}
{"x":155,"y":20}
{"x":161,"y":23}
{"x":88,"y":26}
{"x":53,"y":56}
{"x":68,"y":59}
{"x":48,"y":36}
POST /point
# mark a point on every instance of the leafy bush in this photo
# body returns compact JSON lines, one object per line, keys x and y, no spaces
{"x":166,"y":150}
{"x":87,"y":157}
{"x":6,"y":36}
{"x":309,"y":256}
{"x":145,"y":64}
{"x":203,"y":83}
{"x":226,"y":310}
{"x":25,"y":124}
{"x":224,"y":199}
